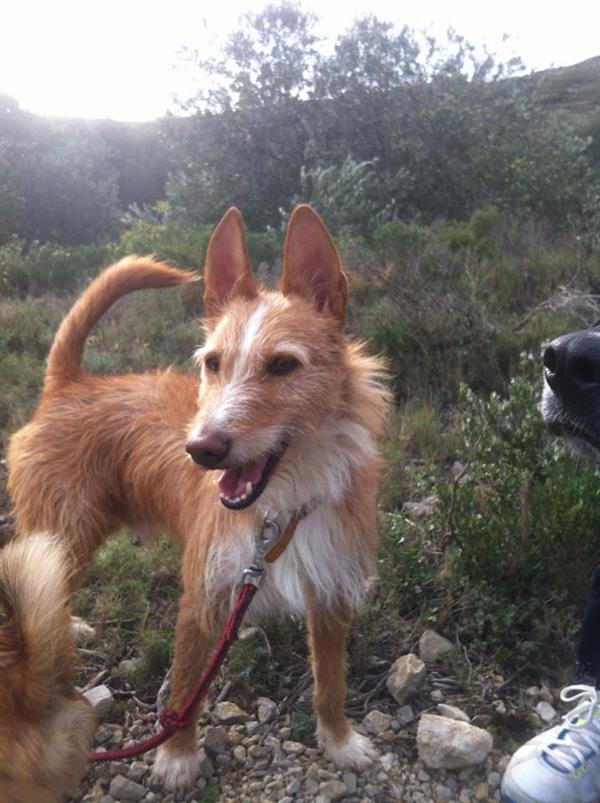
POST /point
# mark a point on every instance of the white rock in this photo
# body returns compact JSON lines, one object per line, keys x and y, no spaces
{"x":100,"y":698}
{"x":424,"y":507}
{"x":445,"y":743}
{"x":452,"y":712}
{"x":265,"y":709}
{"x":229,"y":713}
{"x":123,"y":789}
{"x":376,"y":722}
{"x":406,"y":677}
{"x":333,"y":790}
{"x":432,"y":646}
{"x":546,"y":712}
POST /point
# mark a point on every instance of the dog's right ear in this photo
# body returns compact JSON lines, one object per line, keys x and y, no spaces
{"x":227,"y":271}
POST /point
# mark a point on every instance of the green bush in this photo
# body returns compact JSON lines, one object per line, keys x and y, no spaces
{"x":524,"y":510}
{"x":41,"y":268}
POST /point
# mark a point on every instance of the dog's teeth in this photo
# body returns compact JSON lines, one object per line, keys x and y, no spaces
{"x":248,"y":488}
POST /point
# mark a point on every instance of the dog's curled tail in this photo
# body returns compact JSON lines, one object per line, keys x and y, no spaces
{"x":36,"y":641}
{"x":130,"y":274}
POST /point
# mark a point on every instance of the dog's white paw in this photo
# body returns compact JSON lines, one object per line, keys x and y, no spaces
{"x":355,"y":752}
{"x":175,"y":771}
{"x":82,"y":632}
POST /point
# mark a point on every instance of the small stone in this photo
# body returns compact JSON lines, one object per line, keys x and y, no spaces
{"x":424,"y":507}
{"x":293,"y":748}
{"x":494,"y":779}
{"x":350,"y":782}
{"x":83,"y":632}
{"x":406,"y":677}
{"x":215,"y":739}
{"x":387,"y":761}
{"x":229,"y":713}
{"x":445,"y":743}
{"x":252,"y":727}
{"x":532,"y":691}
{"x":325,"y":775}
{"x":293,"y":787}
{"x":333,"y":790}
{"x":127,"y":666}
{"x":206,"y":767}
{"x":286,"y":799}
{"x":123,"y":789}
{"x":101,"y":700}
{"x":405,"y":714}
{"x":481,"y":791}
{"x":432,"y":646}
{"x":266,"y":709}
{"x":437,"y":695}
{"x":376,"y":722}
{"x":137,"y":770}
{"x":104,"y":733}
{"x":499,"y":706}
{"x":443,"y":792}
{"x":239,"y":753}
{"x":545,"y":711}
{"x":452,"y":712}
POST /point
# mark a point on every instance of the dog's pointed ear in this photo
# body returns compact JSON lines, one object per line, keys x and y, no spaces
{"x":311,"y":266}
{"x":227,"y":271}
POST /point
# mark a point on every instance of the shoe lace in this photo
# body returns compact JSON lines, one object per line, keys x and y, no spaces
{"x":579,"y":739}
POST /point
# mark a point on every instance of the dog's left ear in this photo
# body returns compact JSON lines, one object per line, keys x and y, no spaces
{"x":227,"y":271}
{"x":311,"y":266}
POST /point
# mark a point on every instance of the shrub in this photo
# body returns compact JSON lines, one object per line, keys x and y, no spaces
{"x":38,"y":269}
{"x":523,"y":510}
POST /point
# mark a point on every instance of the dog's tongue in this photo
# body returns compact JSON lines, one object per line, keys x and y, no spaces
{"x":232,"y":482}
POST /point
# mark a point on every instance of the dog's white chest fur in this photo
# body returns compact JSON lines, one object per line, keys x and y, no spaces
{"x":316,"y":563}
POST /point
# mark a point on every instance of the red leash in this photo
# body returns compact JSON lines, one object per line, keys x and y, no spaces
{"x":173,"y":721}
{"x":270,"y":543}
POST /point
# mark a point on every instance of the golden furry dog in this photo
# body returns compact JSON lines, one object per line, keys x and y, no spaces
{"x":45,"y":726}
{"x":286,"y":411}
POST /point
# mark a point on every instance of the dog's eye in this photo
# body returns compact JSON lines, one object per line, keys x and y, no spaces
{"x":212,"y":364}
{"x":279,"y":366}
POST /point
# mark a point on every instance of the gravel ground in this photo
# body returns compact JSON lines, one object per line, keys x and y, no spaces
{"x":257,"y":761}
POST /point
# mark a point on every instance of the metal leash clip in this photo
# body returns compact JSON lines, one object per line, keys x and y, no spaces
{"x":266,"y":538}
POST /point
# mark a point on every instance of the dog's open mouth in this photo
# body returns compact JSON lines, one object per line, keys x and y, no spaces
{"x":240,"y":486}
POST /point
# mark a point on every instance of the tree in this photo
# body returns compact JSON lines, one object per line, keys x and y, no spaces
{"x":55,"y":184}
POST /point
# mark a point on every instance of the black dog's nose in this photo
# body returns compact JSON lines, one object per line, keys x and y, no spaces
{"x":572,"y":363}
{"x":210,"y":449}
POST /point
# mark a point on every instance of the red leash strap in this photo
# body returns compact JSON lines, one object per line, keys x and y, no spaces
{"x":173,"y":721}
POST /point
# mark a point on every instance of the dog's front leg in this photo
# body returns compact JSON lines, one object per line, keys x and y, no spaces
{"x":177,"y":761}
{"x":328,"y":629}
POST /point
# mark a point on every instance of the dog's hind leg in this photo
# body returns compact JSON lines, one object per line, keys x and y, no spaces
{"x":177,"y":761}
{"x":328,"y":630}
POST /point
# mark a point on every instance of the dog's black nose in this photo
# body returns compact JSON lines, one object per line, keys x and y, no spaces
{"x":572,"y":363}
{"x":210,"y":449}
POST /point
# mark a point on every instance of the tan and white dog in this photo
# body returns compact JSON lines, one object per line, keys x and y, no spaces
{"x":46,"y":727}
{"x":286,"y":411}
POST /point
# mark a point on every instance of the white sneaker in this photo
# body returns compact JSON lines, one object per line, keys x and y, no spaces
{"x":561,"y":765}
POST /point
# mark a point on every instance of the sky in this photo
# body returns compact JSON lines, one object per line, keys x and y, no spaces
{"x":116,"y":58}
